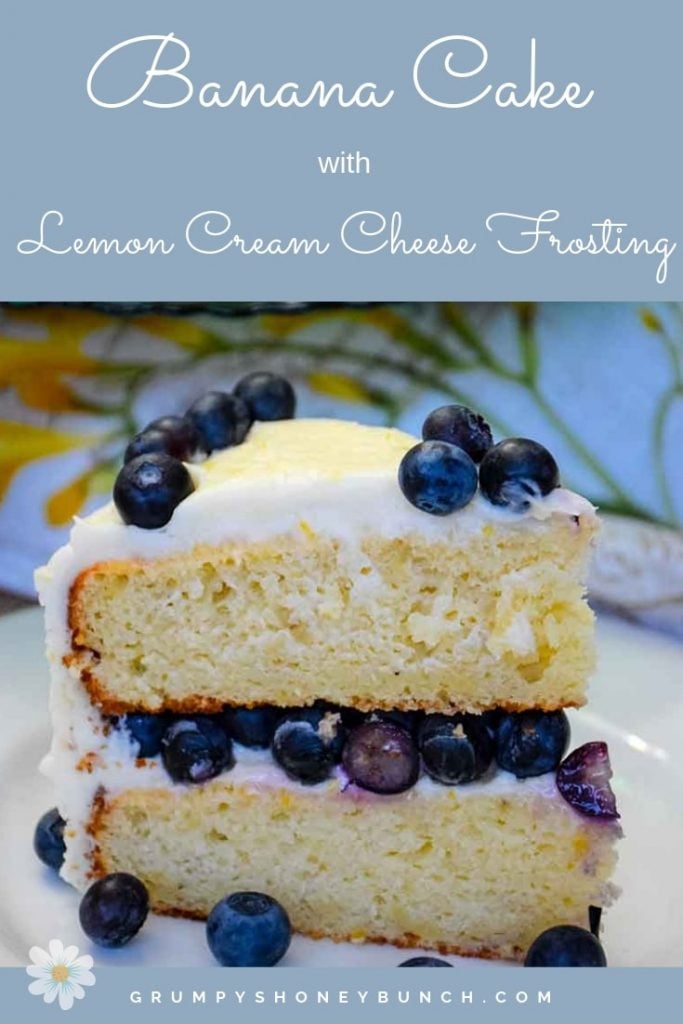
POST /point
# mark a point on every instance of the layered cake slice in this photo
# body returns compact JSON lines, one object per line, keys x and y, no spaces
{"x":328,"y":662}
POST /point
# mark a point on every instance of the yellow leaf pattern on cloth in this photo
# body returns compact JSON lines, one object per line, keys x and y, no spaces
{"x":41,"y":391}
{"x":181,"y":332}
{"x":651,"y":321}
{"x":37,"y":366}
{"x":67,"y":502}
{"x":338,"y":385}
{"x":22,"y":442}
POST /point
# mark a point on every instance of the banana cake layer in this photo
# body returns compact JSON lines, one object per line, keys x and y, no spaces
{"x":478,"y":869}
{"x":297,"y":571}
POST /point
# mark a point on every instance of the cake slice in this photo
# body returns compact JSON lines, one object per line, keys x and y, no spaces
{"x":296,"y":667}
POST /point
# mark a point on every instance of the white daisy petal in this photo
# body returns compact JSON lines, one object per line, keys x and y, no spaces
{"x":66,"y":999}
{"x":69,"y":955}
{"x":85,"y":962}
{"x":51,"y":993}
{"x":40,"y":957}
{"x":56,"y":947}
{"x":37,"y":988}
{"x":84,"y":978}
{"x":77,"y":991}
{"x":34,"y":971}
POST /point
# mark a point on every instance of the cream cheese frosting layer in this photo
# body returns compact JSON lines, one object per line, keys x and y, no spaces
{"x":328,"y":476}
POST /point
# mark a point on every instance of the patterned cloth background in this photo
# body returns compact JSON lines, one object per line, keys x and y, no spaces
{"x":601,"y":385}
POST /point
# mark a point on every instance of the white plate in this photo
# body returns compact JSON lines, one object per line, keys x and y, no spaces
{"x":636,"y":705}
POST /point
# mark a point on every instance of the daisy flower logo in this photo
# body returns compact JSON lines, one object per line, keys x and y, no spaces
{"x":60,"y":973}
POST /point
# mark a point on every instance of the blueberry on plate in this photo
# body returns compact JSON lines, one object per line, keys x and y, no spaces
{"x":114,"y":909}
{"x":252,"y":727}
{"x":583,"y":779}
{"x":221,"y":420}
{"x":148,"y":490}
{"x":515,"y":471}
{"x":459,"y":425}
{"x":196,"y":749}
{"x":146,"y":731}
{"x":48,"y":839}
{"x":455,"y":748}
{"x":425,"y":961}
{"x":531,"y":742}
{"x":437,"y":477}
{"x":382,"y":757}
{"x":248,"y":929}
{"x":269,"y":396}
{"x":565,"y":945}
{"x":308,"y":743}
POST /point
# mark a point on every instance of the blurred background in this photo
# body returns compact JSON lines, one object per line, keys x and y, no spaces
{"x":600,"y":384}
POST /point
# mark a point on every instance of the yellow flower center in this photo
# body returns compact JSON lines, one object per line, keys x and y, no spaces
{"x":60,"y":972}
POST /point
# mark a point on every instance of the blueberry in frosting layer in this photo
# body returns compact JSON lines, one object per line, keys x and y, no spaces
{"x":381,"y":752}
{"x":308,"y":742}
{"x":455,"y":749}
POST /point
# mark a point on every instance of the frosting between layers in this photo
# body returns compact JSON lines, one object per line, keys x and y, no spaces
{"x":95,"y":758}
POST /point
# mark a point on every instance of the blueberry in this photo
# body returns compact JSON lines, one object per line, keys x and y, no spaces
{"x":382,"y":757}
{"x":269,"y":396}
{"x":492,"y":720}
{"x":48,"y":839}
{"x":566,"y":945}
{"x":196,"y":749}
{"x":185,"y":434}
{"x":221,"y":420}
{"x":145,"y":730}
{"x":149,"y":488}
{"x":459,"y":425}
{"x":147,"y":442}
{"x":351,"y":717}
{"x":583,"y":779}
{"x":307,"y":744}
{"x":532,"y":742}
{"x":437,"y":477}
{"x":425,"y":961}
{"x":408,"y":720}
{"x":515,"y":471}
{"x":455,"y":748}
{"x":114,"y":909}
{"x":252,"y":727}
{"x":174,"y":435}
{"x":248,"y":929}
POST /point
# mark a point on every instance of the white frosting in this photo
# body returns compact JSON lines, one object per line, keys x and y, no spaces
{"x":337,"y":479}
